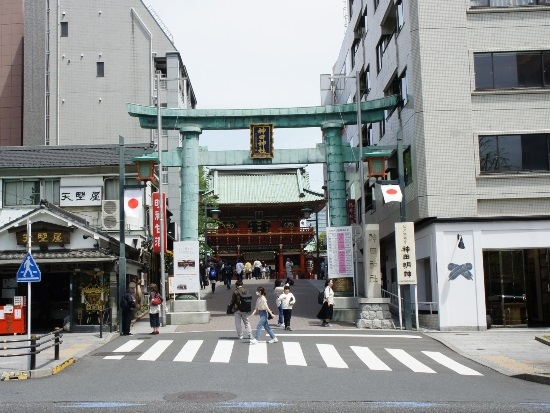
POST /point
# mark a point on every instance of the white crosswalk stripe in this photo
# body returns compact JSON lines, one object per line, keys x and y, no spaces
{"x":409,"y":361}
{"x":371,"y":361}
{"x":293,"y":354}
{"x":331,"y":356}
{"x":222,"y":352}
{"x":156,"y":350}
{"x":189,"y":351}
{"x":450,"y":363}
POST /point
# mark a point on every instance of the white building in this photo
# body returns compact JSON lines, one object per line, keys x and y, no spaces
{"x":84,"y":61}
{"x":473,"y":76}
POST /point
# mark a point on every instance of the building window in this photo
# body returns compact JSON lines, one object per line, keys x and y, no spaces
{"x":407,"y":166}
{"x":380,"y":49}
{"x":165,"y":175}
{"x":512,"y":70}
{"x":28,"y":192}
{"x":376,"y":3}
{"x":354,"y":51}
{"x":100,"y":69}
{"x":508,"y":3}
{"x":403,"y":88}
{"x":64,"y":28}
{"x":400,"y":16}
{"x":512,"y":153}
{"x":364,"y":83}
{"x":366,"y":133}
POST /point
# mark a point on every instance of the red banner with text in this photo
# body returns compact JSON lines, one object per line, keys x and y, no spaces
{"x":156,"y":221}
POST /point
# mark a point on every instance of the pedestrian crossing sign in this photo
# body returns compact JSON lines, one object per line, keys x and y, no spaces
{"x":28,"y":271}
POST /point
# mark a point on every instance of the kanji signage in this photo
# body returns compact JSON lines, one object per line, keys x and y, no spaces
{"x":156,"y":221}
{"x":80,"y":196}
{"x":261,"y":140}
{"x":44,"y":237}
{"x":352,"y":211}
{"x":372,"y":248}
{"x":405,"y":253}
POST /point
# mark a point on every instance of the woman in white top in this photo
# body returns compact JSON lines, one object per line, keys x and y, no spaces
{"x":263,"y":310}
{"x":325,"y":314}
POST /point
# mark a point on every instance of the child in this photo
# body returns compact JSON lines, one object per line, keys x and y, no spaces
{"x":287,"y":301}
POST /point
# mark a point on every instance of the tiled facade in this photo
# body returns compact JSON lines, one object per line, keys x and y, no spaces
{"x":441,"y":122}
{"x":11,"y":73}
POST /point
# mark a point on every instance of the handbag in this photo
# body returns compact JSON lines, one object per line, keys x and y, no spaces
{"x":206,"y":283}
{"x":157,"y":300}
{"x":229,"y":309}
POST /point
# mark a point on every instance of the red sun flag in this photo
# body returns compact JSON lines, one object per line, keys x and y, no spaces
{"x":392,"y":193}
{"x":133,"y":203}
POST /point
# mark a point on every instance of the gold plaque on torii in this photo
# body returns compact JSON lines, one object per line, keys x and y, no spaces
{"x":261,"y":141}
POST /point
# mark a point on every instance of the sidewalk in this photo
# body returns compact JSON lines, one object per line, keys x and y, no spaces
{"x":513,"y":352}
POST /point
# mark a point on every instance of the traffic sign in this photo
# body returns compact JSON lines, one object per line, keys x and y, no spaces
{"x":28,"y":271}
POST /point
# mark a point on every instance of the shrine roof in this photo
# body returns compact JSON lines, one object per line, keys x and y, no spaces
{"x":262,"y":185}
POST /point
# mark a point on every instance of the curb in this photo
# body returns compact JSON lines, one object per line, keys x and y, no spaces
{"x":535,"y":378}
{"x":542,"y":340}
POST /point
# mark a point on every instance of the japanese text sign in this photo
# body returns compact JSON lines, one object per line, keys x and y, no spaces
{"x":405,"y":253}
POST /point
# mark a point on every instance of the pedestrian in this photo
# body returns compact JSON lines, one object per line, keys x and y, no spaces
{"x":128,"y":306}
{"x":263,"y":310}
{"x":322,"y":270}
{"x":278,"y":290}
{"x":287,"y":301}
{"x":228,"y":274}
{"x":202,"y":271}
{"x":263,"y":270}
{"x":288,"y":267}
{"x":239,"y":269}
{"x":154,"y":308}
{"x":240,"y":316}
{"x":213,"y":276}
{"x":257,"y":271}
{"x":248,"y":269}
{"x":326,"y":311}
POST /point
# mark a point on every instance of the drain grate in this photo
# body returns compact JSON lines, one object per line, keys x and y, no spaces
{"x":201,"y":396}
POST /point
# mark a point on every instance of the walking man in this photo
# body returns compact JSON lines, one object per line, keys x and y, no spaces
{"x":288,"y":267}
{"x":239,"y":309}
{"x":239,"y":269}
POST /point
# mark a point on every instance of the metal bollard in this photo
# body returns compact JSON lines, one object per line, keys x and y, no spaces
{"x":32,"y":350}
{"x":56,"y":348}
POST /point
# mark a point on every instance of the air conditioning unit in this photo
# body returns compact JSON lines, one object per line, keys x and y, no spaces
{"x":110,"y":215}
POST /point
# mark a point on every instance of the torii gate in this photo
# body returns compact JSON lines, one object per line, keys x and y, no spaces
{"x":333,"y":152}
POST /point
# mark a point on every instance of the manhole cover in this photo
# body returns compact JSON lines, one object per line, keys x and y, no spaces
{"x":201,"y":396}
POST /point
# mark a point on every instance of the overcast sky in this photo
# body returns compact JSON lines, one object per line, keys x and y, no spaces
{"x":246,"y":54}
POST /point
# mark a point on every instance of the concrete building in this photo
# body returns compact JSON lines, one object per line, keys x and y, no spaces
{"x":85,"y":60}
{"x":11,"y":73}
{"x":473,"y":77}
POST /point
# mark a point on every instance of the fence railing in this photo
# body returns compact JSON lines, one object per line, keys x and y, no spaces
{"x":35,"y":345}
{"x":431,"y":306}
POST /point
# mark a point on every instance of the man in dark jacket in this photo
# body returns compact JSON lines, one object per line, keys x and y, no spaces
{"x":240,"y":316}
{"x":128,"y":306}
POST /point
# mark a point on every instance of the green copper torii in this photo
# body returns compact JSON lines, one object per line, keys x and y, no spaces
{"x":331,"y":119}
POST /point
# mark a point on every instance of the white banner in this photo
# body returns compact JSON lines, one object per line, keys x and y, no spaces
{"x":186,"y":267}
{"x":405,"y":253}
{"x":80,"y":196}
{"x":339,"y":251}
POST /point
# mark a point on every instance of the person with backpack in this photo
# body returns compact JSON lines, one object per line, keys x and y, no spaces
{"x":128,"y":306}
{"x":326,"y":311}
{"x":241,"y":305}
{"x":228,"y":273}
{"x":213,"y":276}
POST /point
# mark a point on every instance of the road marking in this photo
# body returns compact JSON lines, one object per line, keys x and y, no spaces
{"x":156,"y":350}
{"x":257,"y":353}
{"x":450,"y":363}
{"x":293,"y":354}
{"x":349,"y":335}
{"x":189,"y":351}
{"x":331,"y":356}
{"x":222,"y":352}
{"x":118,"y":357}
{"x":409,"y":361}
{"x":128,"y":346}
{"x":367,"y":356}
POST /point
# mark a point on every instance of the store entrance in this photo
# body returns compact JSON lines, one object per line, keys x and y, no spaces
{"x":517,"y":287}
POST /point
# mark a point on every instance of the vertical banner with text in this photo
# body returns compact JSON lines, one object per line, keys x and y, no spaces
{"x":186,"y":268}
{"x":339,"y":251}
{"x":405,"y":253}
{"x":156,"y":221}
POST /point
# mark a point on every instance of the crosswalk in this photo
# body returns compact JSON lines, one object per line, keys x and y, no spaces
{"x":293,"y":354}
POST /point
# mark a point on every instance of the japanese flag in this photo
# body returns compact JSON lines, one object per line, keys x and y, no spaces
{"x":391,"y":193}
{"x":133,"y":203}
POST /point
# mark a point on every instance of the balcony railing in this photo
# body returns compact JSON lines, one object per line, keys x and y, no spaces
{"x":246,"y":231}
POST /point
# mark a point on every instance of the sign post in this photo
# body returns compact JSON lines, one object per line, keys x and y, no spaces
{"x":29,"y":272}
{"x":406,"y":266}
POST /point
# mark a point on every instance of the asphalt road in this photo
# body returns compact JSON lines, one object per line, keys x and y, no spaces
{"x":333,"y":371}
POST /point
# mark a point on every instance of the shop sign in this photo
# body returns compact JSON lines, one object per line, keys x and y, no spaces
{"x":80,"y":196}
{"x":261,"y":140}
{"x":405,"y":253}
{"x":156,"y":221}
{"x":44,"y":237}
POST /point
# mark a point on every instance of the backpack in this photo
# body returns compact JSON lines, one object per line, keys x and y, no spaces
{"x":213,"y":274}
{"x":245,"y":302}
{"x":321,"y":297}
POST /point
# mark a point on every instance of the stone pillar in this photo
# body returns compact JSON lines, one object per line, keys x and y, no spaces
{"x":189,"y":183}
{"x":336,"y":177}
{"x":371,"y":256}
